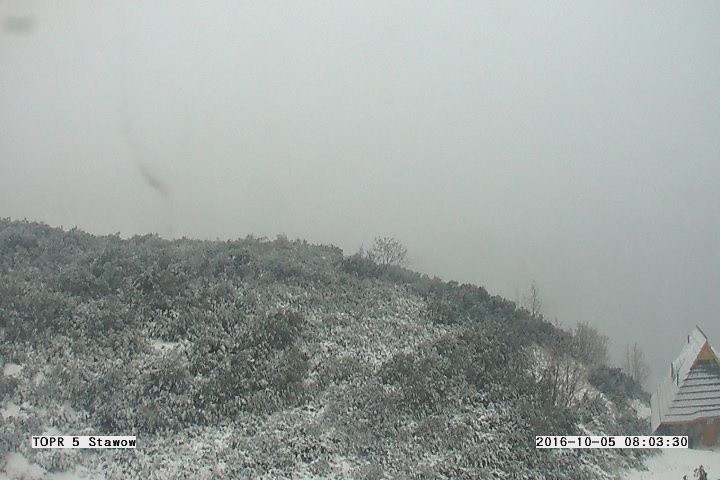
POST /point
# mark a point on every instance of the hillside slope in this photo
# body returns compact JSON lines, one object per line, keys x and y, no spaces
{"x":277,"y":359}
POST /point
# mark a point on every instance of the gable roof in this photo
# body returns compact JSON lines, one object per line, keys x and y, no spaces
{"x":691,"y":390}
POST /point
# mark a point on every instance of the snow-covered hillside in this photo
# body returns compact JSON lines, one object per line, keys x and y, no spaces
{"x":279,"y":359}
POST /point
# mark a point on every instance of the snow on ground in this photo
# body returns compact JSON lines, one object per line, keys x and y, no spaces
{"x":642,"y":409}
{"x":17,"y":467}
{"x":673,"y":463}
{"x":52,"y":431}
{"x":39,"y":379}
{"x":12,"y":370}
{"x":12,"y":411}
{"x":161,"y":346}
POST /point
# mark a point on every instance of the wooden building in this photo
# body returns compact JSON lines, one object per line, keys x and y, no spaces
{"x":687,"y":401}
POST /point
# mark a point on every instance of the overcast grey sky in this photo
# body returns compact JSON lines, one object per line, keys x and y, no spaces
{"x":573,"y":143}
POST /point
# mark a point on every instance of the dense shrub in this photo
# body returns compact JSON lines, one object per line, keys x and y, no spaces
{"x":279,"y":330}
{"x":614,"y":383}
{"x":359,"y":265}
{"x":18,"y":239}
{"x":423,"y":381}
{"x":8,"y":385}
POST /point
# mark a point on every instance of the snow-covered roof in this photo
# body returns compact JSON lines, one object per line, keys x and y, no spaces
{"x":691,"y":390}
